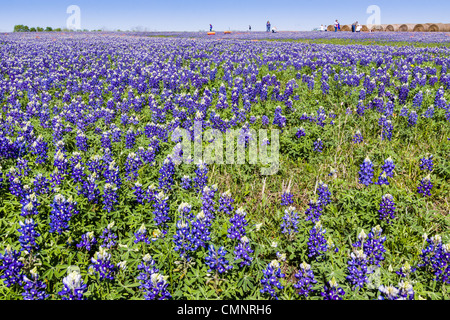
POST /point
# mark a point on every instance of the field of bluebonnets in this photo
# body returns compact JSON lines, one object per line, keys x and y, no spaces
{"x":94,"y":206}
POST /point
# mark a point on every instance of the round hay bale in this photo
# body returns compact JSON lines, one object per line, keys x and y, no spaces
{"x":392,"y":27}
{"x":443,"y":27}
{"x":346,"y":28}
{"x":406,"y":27}
{"x":433,"y":27}
{"x":377,"y":28}
{"x":330,"y":28}
{"x":364,"y":28}
{"x":419,"y":28}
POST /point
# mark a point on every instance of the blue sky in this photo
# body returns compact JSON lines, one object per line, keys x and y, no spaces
{"x":185,"y":15}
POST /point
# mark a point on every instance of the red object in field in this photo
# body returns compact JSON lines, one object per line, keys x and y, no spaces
{"x":227,"y":32}
{"x":211,"y":33}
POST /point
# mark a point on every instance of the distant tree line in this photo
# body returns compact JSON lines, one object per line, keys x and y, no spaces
{"x":22,"y":28}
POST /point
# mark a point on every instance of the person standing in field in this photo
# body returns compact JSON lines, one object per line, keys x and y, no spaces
{"x":336,"y":26}
{"x":268,"y":26}
{"x":322,"y":28}
{"x":354,"y":26}
{"x":210,"y":27}
{"x":249,"y":28}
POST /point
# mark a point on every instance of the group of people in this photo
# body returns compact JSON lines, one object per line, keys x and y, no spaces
{"x":356,"y":27}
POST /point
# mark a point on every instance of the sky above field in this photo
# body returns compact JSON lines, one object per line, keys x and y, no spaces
{"x":184,"y":15}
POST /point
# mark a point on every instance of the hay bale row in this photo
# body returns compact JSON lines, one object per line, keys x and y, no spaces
{"x":408,"y":27}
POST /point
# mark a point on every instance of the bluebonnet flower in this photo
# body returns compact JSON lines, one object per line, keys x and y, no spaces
{"x":151,"y":282}
{"x":412,"y":119}
{"x":357,"y":269}
{"x":405,"y":270}
{"x":429,"y":112}
{"x":141,"y":235}
{"x":200,"y":230}
{"x":28,"y":235}
{"x":90,"y":188}
{"x":436,"y":258}
{"x":270,"y":280}
{"x":360,"y":108}
{"x":81,"y":141}
{"x":324,"y":194}
{"x":166,"y":174}
{"x":314,"y":211}
{"x":358,"y":138}
{"x":318,"y":145}
{"x":387,"y":208}
{"x":332,"y":291}
{"x":108,"y":236}
{"x":29,"y":205}
{"x":110,"y":197}
{"x":139,"y":193}
{"x":238,"y":224}
{"x":208,"y":202}
{"x":425,"y":186}
{"x":290,"y":222}
{"x":387,"y":171}
{"x":150,"y":194}
{"x":417,"y":100}
{"x":112,"y":174}
{"x":161,"y":209}
{"x":186,"y":182}
{"x":39,"y":148}
{"x":132,"y":165}
{"x":305,"y":279}
{"x":389,"y":293}
{"x":87,"y":241}
{"x":74,"y":287}
{"x":226,"y":202}
{"x":300,"y":133}
{"x":101,"y":264}
{"x":116,"y":135}
{"x":216,"y":260}
{"x":61,"y":213}
{"x":366,"y":172}
{"x":242,"y":252}
{"x":317,"y":244}
{"x":286,"y":198}
{"x":265,"y":120}
{"x":387,"y":129}
{"x":60,"y":162}
{"x":372,"y":245}
{"x":22,"y":167}
{"x":201,"y":176}
{"x":41,"y":184}
{"x":130,"y":139}
{"x":96,"y":165}
{"x":34,"y":289}
{"x":404,"y":292}
{"x":105,"y":140}
{"x":279,"y":119}
{"x":15,"y":185}
{"x":11,"y":267}
{"x":426,"y":163}
{"x":78,"y":174}
{"x":184,"y":239}
{"x":403,"y":112}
